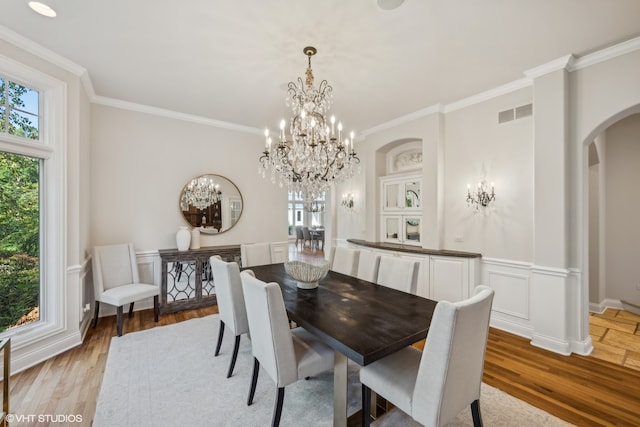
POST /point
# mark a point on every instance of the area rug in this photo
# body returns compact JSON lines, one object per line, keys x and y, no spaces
{"x":168,"y":376}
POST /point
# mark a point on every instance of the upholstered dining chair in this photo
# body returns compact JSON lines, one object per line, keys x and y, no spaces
{"x":255,"y":254}
{"x":398,"y":273}
{"x":435,"y":385}
{"x":288,"y":355}
{"x":116,"y":281}
{"x":231,"y":308}
{"x":299,"y":236}
{"x":308,"y":237}
{"x":368,"y":264}
{"x":344,"y":260}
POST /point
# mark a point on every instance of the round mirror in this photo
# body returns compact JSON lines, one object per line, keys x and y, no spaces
{"x":211,"y":202}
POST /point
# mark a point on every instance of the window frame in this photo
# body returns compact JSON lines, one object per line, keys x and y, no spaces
{"x":51,"y":149}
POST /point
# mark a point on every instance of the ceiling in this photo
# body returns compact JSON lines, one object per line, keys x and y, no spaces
{"x":230,"y":60}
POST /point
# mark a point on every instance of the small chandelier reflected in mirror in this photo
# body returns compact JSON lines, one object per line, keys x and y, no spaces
{"x":202,"y":192}
{"x":481,"y":197}
{"x":314,"y":154}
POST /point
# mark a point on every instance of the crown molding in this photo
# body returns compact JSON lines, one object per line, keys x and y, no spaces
{"x":605,"y":54}
{"x":141,"y":108}
{"x":437,"y":108}
{"x":48,"y":55}
{"x":562,"y":63}
{"x":489,"y":94}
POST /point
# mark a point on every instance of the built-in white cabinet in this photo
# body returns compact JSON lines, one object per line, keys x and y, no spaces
{"x":401,"y":193}
{"x":449,"y":278}
{"x":404,"y":229}
{"x":440,"y":277}
{"x":401,"y":210}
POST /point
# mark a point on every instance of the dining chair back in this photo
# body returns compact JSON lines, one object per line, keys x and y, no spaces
{"x":344,"y":260}
{"x":116,"y":281}
{"x":368,"y":264}
{"x":287,"y":355}
{"x":231,"y":307}
{"x":308,"y":237}
{"x":435,"y":385}
{"x":255,"y":254}
{"x":299,"y":236}
{"x":398,"y":273}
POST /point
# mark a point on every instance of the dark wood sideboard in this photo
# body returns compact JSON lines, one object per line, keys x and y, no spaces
{"x":186,"y":280}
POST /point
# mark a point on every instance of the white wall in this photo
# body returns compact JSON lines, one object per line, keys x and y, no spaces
{"x":623,"y":204}
{"x":140,"y":163}
{"x":477,"y":147}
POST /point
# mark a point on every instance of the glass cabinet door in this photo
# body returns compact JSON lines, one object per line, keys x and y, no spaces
{"x":391,"y":193}
{"x":392,"y":229}
{"x":411,"y":234}
{"x":412,"y":195}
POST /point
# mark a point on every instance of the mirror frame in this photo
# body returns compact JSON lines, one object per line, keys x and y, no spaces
{"x":203,"y":230}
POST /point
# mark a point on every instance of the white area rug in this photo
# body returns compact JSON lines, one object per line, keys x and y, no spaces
{"x":168,"y":376}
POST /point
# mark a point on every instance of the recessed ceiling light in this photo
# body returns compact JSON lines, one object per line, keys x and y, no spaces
{"x":389,"y":4}
{"x":42,"y":9}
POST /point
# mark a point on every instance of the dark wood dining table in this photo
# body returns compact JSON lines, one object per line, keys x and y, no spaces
{"x":360,"y":320}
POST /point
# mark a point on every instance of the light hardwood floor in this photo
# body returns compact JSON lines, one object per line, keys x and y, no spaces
{"x":582,"y":390}
{"x":616,"y":337}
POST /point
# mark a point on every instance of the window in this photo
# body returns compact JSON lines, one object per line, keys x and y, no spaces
{"x":19,"y":110}
{"x":33,"y":204}
{"x":19,"y":210}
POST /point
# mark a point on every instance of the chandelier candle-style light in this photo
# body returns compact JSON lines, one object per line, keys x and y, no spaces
{"x":202,"y":192}
{"x":314,"y":154}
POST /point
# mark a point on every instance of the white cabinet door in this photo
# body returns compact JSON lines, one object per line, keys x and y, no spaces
{"x":449,"y":278}
{"x":392,"y":230}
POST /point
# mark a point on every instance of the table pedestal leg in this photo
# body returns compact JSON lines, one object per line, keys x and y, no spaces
{"x":339,"y":390}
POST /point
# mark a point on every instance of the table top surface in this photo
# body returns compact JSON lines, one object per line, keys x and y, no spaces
{"x":362,"y":320}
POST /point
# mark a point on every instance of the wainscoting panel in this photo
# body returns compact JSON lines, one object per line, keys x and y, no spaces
{"x":511,"y":281}
{"x":512,"y":293}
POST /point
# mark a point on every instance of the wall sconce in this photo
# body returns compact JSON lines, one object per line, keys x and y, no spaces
{"x":481,"y":198}
{"x":347,"y":201}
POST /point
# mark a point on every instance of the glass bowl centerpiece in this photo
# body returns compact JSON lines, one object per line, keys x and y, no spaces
{"x":307,"y":275}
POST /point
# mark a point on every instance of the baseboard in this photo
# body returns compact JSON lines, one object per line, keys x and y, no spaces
{"x":511,"y":327}
{"x":604,"y":304}
{"x":23,"y":360}
{"x":551,"y":344}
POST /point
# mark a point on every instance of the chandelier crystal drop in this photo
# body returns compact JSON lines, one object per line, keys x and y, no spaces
{"x":202,"y":192}
{"x":315,"y":153}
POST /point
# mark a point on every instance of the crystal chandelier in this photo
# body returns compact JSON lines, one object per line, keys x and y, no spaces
{"x":314,"y":155}
{"x":202,"y":192}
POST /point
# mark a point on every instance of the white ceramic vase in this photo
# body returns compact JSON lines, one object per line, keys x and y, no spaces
{"x":183,"y":238}
{"x":195,"y":238}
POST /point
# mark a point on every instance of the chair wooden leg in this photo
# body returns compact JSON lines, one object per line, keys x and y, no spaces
{"x":120,"y":321}
{"x":95,"y":315}
{"x":130,"y":310}
{"x":366,"y":406}
{"x":220,"y":335}
{"x":475,"y":413}
{"x":236,"y":346}
{"x":156,"y":308}
{"x":254,"y":381}
{"x":277,"y":411}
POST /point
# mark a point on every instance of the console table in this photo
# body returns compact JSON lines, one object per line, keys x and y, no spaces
{"x":186,"y":280}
